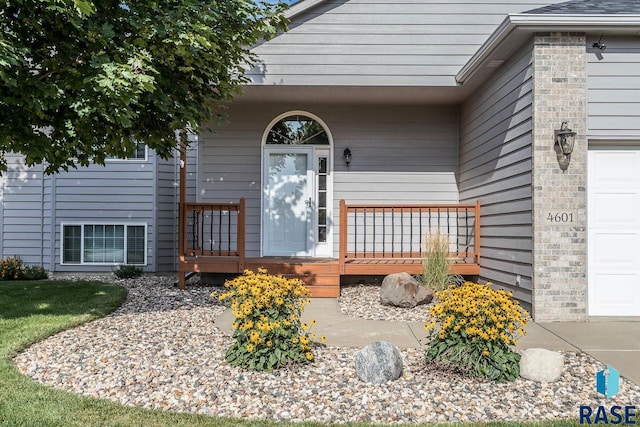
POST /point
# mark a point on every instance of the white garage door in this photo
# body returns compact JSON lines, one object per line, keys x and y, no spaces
{"x":614,"y":232}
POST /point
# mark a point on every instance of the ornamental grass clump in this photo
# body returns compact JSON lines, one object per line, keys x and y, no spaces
{"x":472,"y":331}
{"x":436,"y":261}
{"x":268,"y":330}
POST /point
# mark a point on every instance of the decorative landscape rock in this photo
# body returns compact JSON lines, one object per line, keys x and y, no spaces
{"x":539,"y":364}
{"x":378,"y":363}
{"x":402,"y":290}
{"x":98,"y":360}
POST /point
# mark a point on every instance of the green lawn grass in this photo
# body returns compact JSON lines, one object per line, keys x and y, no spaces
{"x":32,"y":311}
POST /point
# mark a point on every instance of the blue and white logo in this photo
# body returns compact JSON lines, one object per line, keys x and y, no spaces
{"x":608,"y":382}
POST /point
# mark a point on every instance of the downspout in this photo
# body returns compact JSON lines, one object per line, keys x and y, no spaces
{"x":176,"y":209}
{"x":181,"y":214}
{"x":3,"y":184}
{"x":52,"y":247}
{"x":42,"y":215}
{"x":154,"y":212}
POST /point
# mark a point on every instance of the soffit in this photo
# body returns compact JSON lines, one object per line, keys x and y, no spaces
{"x":354,"y":94}
{"x":519,"y":27}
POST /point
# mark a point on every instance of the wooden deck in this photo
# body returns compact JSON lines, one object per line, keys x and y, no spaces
{"x":321,"y":275}
{"x":374,"y":240}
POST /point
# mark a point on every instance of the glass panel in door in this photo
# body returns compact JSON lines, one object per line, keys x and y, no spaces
{"x":287,"y":207}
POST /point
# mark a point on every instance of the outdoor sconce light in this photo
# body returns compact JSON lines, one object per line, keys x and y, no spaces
{"x":346,"y":155}
{"x":564,"y":140}
{"x":599,"y":45}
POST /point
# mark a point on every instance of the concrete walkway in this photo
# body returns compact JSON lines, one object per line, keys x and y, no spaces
{"x":616,"y":343}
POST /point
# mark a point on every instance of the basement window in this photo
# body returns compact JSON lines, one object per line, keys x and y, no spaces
{"x":104,"y":244}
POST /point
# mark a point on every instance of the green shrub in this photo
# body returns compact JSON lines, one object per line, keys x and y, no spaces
{"x":128,"y":272}
{"x":36,"y":273}
{"x":268,"y":331}
{"x":477,"y":327}
{"x":13,"y":268}
{"x":436,"y":261}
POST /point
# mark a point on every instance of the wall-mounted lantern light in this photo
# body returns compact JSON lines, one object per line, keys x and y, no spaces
{"x":565,"y":139}
{"x":346,"y":155}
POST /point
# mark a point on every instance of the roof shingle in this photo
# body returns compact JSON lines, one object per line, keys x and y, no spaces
{"x":591,"y":7}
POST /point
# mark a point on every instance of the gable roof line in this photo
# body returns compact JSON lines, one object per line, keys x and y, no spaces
{"x":301,"y":7}
{"x":529,"y":23}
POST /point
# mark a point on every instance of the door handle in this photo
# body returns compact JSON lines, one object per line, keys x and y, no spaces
{"x":308,"y":202}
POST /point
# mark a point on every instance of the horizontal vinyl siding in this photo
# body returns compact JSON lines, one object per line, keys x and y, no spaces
{"x":381,"y":43}
{"x":121,"y":192}
{"x":167,"y":214}
{"x":48,"y":221}
{"x":22,"y":211}
{"x":400,"y":155}
{"x":495,"y":167}
{"x":613,"y":90}
{"x":168,"y":195}
{"x":229,"y":165}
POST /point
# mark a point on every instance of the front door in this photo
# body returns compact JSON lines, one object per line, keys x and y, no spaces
{"x":288,"y":201}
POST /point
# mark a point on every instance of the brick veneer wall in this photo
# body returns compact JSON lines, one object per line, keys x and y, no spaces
{"x":560,"y":248}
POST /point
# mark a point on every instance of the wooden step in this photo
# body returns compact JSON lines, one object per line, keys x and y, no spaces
{"x":324,"y":291}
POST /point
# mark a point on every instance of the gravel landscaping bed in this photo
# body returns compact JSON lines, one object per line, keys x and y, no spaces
{"x":162,"y":349}
{"x":364,"y":301}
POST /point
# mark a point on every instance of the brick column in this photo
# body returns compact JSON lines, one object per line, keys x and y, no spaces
{"x":559,"y":196}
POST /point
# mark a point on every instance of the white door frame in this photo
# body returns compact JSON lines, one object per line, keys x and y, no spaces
{"x":316,"y":248}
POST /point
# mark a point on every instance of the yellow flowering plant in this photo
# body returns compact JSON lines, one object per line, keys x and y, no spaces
{"x":268,"y":330}
{"x":472,"y":330}
{"x":15,"y":269}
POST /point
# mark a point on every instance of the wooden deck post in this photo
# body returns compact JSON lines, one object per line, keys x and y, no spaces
{"x":182,"y":220}
{"x":477,"y":232}
{"x":342,"y":244}
{"x":241,"y":235}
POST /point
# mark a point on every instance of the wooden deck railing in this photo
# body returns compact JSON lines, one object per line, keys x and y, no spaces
{"x":380,"y":231}
{"x":368,"y":232}
{"x":213,"y":229}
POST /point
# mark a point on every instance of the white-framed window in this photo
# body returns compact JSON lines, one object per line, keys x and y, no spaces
{"x":140,"y":154}
{"x":104,"y":244}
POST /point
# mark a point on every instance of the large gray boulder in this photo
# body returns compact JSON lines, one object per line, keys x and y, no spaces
{"x":539,"y":364}
{"x":402,"y":290}
{"x":378,"y":363}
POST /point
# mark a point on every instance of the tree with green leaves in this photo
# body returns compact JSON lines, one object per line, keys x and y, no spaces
{"x":83,"y":80}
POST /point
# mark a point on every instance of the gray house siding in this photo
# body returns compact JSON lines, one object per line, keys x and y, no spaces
{"x":613,"y":89}
{"x":23,"y":218}
{"x":382,"y":43}
{"x":496,"y":167}
{"x":401,"y":154}
{"x":35,"y":206}
{"x":48,"y":230}
{"x":168,"y":197}
{"x":229,"y":166}
{"x":167,"y":188}
{"x":120,"y":193}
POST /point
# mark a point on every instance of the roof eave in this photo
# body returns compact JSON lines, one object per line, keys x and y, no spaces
{"x":525,"y":24}
{"x":301,"y":7}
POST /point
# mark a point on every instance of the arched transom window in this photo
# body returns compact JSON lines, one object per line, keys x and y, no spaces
{"x":297,"y":130}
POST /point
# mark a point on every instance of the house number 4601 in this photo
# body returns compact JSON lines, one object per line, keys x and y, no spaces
{"x":560,"y":217}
